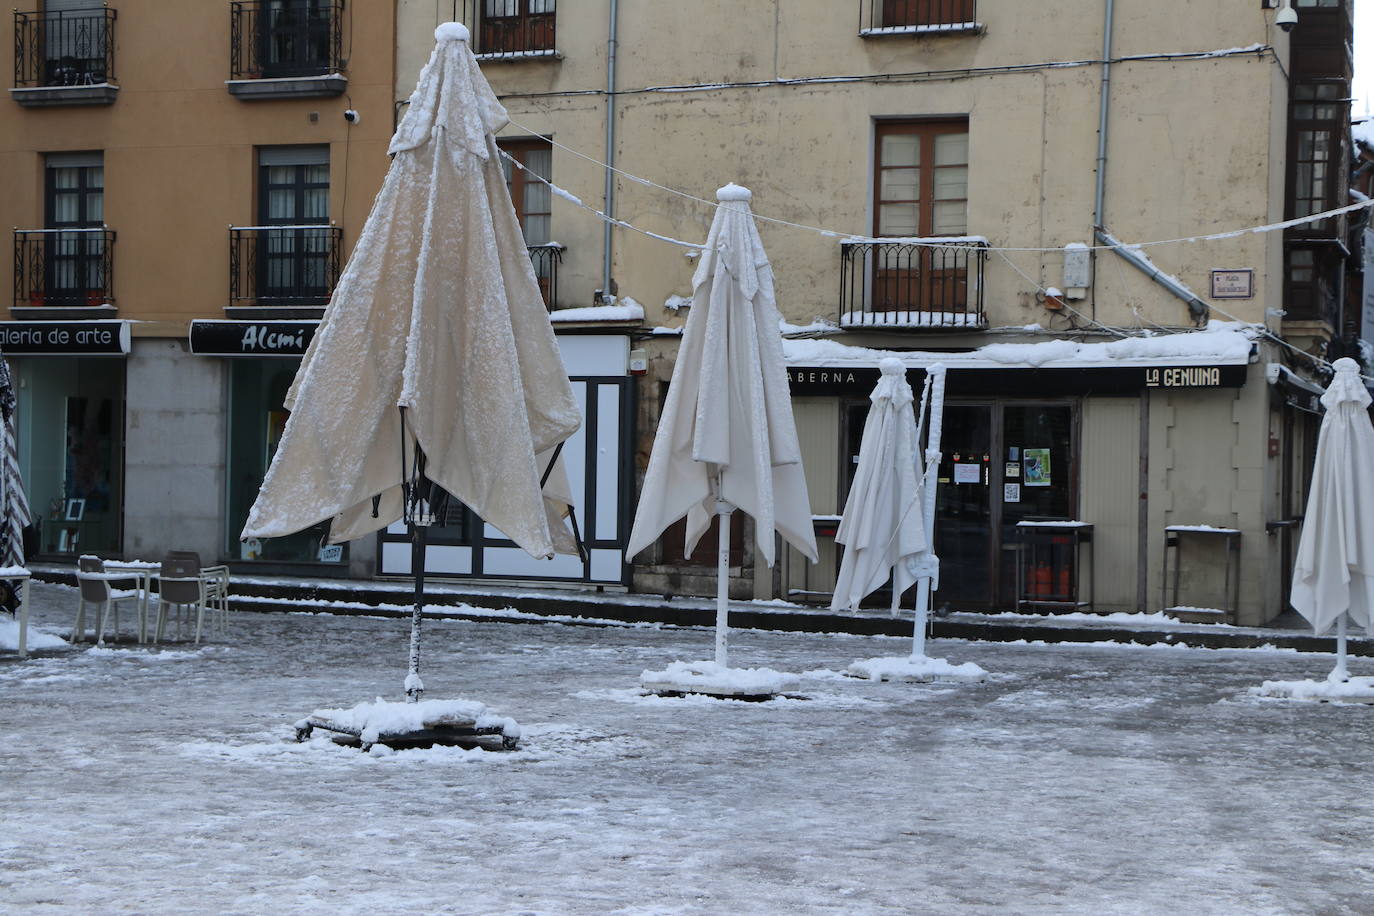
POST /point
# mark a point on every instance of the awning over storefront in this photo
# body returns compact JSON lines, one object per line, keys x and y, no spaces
{"x":211,"y":337}
{"x":107,"y":337}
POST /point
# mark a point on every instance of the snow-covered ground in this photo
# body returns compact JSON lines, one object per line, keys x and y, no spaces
{"x":1079,"y":778}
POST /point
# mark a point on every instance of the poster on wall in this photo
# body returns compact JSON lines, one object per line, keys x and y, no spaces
{"x":1037,"y":466}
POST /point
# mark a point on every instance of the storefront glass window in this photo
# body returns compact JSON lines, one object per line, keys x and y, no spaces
{"x":257,"y":418}
{"x":71,"y":449}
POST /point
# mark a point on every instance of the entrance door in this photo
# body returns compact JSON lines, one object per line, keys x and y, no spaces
{"x":964,"y":525}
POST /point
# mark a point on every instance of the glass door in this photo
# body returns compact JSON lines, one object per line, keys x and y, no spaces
{"x":963,"y":510}
{"x":1036,"y":465}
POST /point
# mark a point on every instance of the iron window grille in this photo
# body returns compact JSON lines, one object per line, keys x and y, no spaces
{"x":512,"y":28}
{"x":545,"y":259}
{"x":63,"y":267}
{"x":285,"y":38}
{"x":878,"y":16}
{"x":907,"y":284}
{"x":74,"y":48}
{"x":283,"y":266}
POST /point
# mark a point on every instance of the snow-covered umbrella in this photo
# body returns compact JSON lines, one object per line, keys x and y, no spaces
{"x":1333,"y":578}
{"x":14,"y":503}
{"x":888,"y":524}
{"x":434,"y":370}
{"x":727,"y":439}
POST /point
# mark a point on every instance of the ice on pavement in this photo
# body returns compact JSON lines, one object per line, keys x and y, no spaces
{"x":1078,"y":779}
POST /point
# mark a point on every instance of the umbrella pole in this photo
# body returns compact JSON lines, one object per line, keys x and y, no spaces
{"x":1339,"y":673}
{"x":918,"y":638}
{"x":723,"y":510}
{"x":415,"y":686}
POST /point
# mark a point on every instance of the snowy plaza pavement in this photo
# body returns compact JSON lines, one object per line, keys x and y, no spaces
{"x":1081,"y":778}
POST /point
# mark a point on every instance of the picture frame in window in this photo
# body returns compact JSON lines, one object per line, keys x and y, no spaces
{"x":76,"y":510}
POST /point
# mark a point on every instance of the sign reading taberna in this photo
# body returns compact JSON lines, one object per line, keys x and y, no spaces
{"x":251,"y":338}
{"x":65,"y":338}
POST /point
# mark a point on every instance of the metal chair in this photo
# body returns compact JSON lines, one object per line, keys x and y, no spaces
{"x":180,"y":585}
{"x":95,"y":586}
{"x":216,"y":586}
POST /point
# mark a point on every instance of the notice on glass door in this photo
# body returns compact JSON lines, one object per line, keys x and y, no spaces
{"x":1037,"y":464}
{"x":1011,"y":492}
{"x":968,"y":473}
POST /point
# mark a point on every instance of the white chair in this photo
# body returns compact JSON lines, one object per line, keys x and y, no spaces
{"x":95,"y":588}
{"x":216,"y":586}
{"x":180,"y":585}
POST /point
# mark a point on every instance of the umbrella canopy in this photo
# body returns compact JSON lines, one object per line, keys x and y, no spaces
{"x":883,"y":524}
{"x":438,"y":312}
{"x":1334,"y":573}
{"x":14,"y":513}
{"x":727,"y":430}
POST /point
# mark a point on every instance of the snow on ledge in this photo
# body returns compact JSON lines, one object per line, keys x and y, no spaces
{"x":1213,"y":528}
{"x":910,"y":319}
{"x":627,"y":310}
{"x":711,"y":678}
{"x":1221,"y":343}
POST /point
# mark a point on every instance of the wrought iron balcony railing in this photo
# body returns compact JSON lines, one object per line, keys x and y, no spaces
{"x":283,"y":266}
{"x":546,"y":259}
{"x":285,"y":38}
{"x":63,"y":267}
{"x":915,"y":283}
{"x":897,"y":17}
{"x":512,"y":28}
{"x":64,"y":48}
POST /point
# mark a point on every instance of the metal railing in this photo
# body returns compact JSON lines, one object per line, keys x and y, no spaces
{"x":297,"y":38}
{"x":63,"y":267}
{"x":512,"y":28}
{"x":64,"y":49}
{"x":916,"y":15}
{"x":546,"y":259}
{"x":283,"y":266}
{"x":912,"y":284}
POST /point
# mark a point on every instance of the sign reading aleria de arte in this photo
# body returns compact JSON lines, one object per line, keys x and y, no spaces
{"x":65,"y":338}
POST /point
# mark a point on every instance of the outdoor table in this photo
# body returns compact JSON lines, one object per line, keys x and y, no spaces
{"x":1056,"y":550}
{"x":22,"y":576}
{"x":1174,"y":538}
{"x":143,"y":573}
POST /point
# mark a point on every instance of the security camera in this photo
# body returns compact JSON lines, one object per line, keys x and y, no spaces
{"x":1286,"y":18}
{"x":352,"y":117}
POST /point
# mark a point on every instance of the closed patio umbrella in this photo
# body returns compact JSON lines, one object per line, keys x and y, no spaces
{"x":727,"y":439}
{"x":435,"y":362}
{"x":14,"y":510}
{"x":1333,"y":577}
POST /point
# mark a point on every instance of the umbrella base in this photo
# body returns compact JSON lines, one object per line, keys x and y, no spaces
{"x":916,"y":671}
{"x":401,"y":726}
{"x":1355,"y":690}
{"x":756,"y":685}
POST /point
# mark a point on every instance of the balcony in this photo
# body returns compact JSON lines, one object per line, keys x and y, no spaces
{"x":286,"y":49}
{"x":63,"y":273}
{"x":512,"y":29}
{"x":282,"y":271}
{"x":546,"y":259}
{"x":881,"y":18}
{"x":913,"y":284}
{"x":64,"y":58}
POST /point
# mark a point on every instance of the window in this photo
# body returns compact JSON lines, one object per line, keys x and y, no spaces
{"x":516,"y":26}
{"x":293,"y":192}
{"x":74,"y":263}
{"x":920,"y":190}
{"x":75,"y":42}
{"x":297,"y":37}
{"x":1317,"y":116}
{"x":926,"y":12}
{"x":532,"y":200}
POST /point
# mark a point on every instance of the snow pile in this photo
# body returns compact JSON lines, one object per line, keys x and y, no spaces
{"x":1355,"y":690}
{"x":1363,"y":132}
{"x":626,"y":310}
{"x":675,"y":302}
{"x":1220,"y":341}
{"x":10,"y":572}
{"x":711,"y":678}
{"x":818,"y":325}
{"x":923,"y":669}
{"x":9,"y":638}
{"x":373,"y":720}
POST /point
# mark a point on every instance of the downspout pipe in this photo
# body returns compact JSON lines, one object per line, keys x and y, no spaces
{"x":607,"y":237}
{"x":1103,"y":104}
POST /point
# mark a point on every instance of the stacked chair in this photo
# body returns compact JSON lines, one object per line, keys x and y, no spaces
{"x":185,"y":584}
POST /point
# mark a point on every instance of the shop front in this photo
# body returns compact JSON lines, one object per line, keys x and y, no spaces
{"x":70,"y":378}
{"x":1019,"y":445}
{"x":262,"y":358}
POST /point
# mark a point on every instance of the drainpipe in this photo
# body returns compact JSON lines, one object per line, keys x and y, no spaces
{"x":1102,"y":106}
{"x":607,"y":238}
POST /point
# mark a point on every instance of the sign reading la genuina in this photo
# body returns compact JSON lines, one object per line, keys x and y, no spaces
{"x":65,"y":338}
{"x":1106,"y":381}
{"x":251,"y":338}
